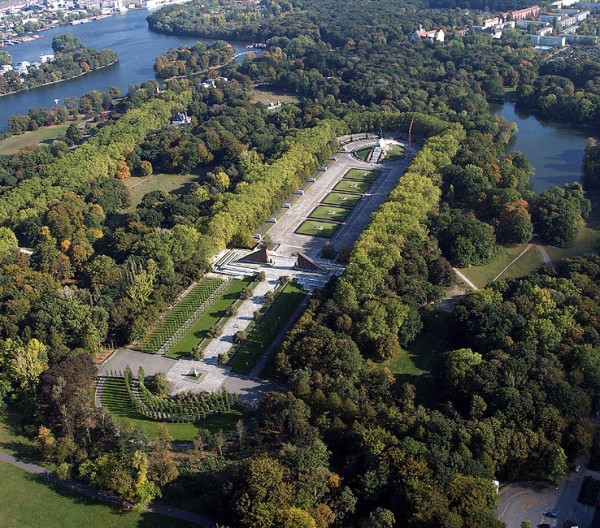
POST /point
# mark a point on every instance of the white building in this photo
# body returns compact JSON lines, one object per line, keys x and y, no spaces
{"x":49,"y":57}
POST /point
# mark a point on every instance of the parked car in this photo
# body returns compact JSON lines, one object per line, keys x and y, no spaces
{"x":577,"y":468}
{"x":552,"y":515}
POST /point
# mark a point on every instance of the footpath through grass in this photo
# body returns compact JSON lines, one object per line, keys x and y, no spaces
{"x":481,"y":276}
{"x":267,"y":329}
{"x":199,"y":331}
{"x":116,"y":400}
{"x":31,"y":502}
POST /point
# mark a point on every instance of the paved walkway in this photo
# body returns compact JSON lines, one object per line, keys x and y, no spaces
{"x":102,"y":496}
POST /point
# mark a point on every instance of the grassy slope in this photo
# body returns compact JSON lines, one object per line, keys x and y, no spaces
{"x":35,"y":503}
{"x":15,"y":143}
{"x":116,"y":400}
{"x":198,"y":332}
{"x":267,"y":329}
{"x":363,"y":152}
{"x":139,"y":186}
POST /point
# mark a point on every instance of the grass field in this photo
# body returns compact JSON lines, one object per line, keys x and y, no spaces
{"x":41,"y":135}
{"x":317,"y":228}
{"x":363,"y":152}
{"x":589,"y":235}
{"x":140,"y":186}
{"x":116,"y":400}
{"x":336,"y":198}
{"x":483,"y":275}
{"x":394,"y":152}
{"x":30,"y":502}
{"x":265,"y":96}
{"x":362,"y":174}
{"x":199,"y":330}
{"x":326,"y":212}
{"x":267,"y":329}
{"x":352,"y":186}
{"x":164,"y":329}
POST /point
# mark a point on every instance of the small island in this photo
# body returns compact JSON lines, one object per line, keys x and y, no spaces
{"x":185,"y":60}
{"x":69,"y":60}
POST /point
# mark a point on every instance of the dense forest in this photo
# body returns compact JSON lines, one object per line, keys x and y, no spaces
{"x":347,"y":443}
{"x":71,"y":59}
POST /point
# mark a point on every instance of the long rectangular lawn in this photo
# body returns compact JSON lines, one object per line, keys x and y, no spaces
{"x":317,"y":228}
{"x":362,"y":174}
{"x":352,"y":186}
{"x":200,"y":329}
{"x":326,"y":212}
{"x":345,"y":199}
{"x":267,"y":329}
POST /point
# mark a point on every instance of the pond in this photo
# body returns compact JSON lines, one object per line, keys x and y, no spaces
{"x":555,"y":150}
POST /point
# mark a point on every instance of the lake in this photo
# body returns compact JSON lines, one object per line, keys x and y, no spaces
{"x":127,"y":34}
{"x":555,"y":150}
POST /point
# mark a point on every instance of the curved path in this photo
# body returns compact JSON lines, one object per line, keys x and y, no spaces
{"x":103,"y":496}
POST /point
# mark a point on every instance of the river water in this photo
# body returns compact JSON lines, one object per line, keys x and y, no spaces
{"x":127,"y":34}
{"x":555,"y":150}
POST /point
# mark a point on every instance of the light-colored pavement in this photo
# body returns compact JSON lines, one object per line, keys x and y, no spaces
{"x":544,"y":254}
{"x":529,"y":501}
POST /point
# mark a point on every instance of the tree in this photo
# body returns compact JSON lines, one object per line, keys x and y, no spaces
{"x":8,"y":243}
{"x":65,"y":43}
{"x":557,"y":214}
{"x":123,"y":171}
{"x":21,"y":367}
{"x":5,"y":58}
{"x":161,"y":384}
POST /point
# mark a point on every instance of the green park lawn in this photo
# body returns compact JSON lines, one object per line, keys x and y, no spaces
{"x":200,"y":329}
{"x":481,"y":276}
{"x":267,"y":329}
{"x":352,"y":186}
{"x":140,"y":186}
{"x":336,"y":198}
{"x":394,"y":152}
{"x":116,"y":400}
{"x":317,"y":228}
{"x":363,"y":152}
{"x":30,"y":502}
{"x":45,"y":134}
{"x":588,"y":239}
{"x":327,"y":212}
{"x":362,"y":174}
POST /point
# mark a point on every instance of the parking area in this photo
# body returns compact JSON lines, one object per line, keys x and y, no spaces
{"x":532,"y":501}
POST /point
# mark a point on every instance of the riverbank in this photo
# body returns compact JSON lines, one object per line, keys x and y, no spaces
{"x":61,"y":80}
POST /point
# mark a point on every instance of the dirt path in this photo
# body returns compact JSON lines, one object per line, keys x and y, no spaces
{"x":102,"y":496}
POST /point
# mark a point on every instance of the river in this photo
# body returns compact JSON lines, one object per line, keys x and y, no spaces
{"x":555,"y":150}
{"x":127,"y":34}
